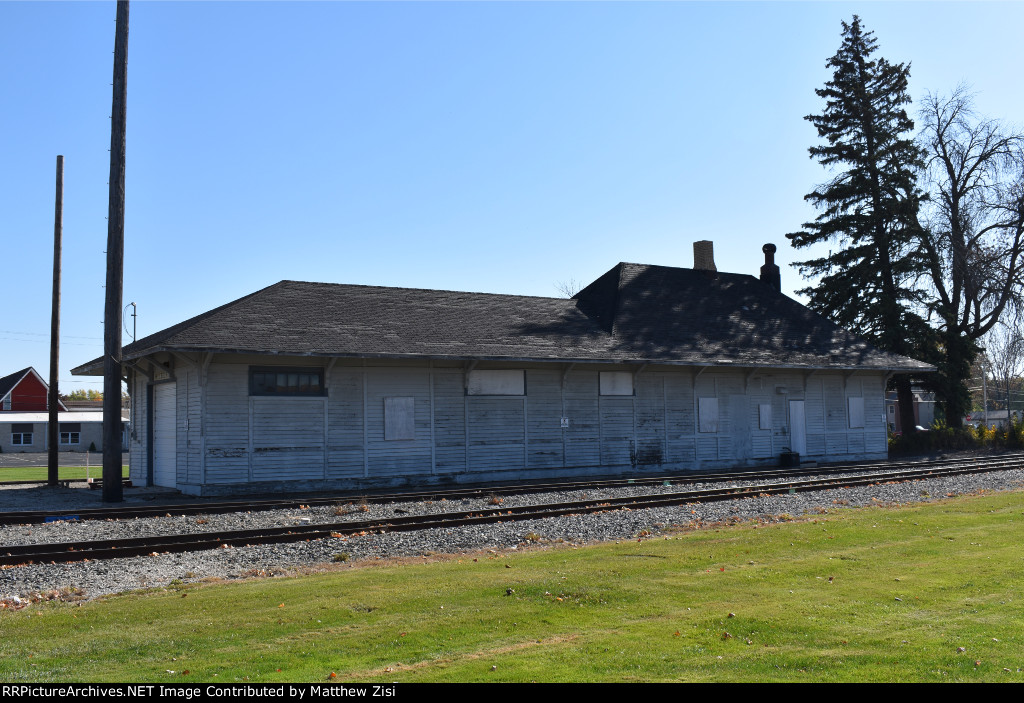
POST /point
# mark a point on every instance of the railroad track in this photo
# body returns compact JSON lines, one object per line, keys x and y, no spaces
{"x":24,"y":517}
{"x":111,"y":549}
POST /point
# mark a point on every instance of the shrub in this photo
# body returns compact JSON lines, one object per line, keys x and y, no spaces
{"x":942,"y":437}
{"x":939,"y":437}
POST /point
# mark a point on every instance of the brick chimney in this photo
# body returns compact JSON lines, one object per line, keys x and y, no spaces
{"x":770,"y":272}
{"x":704,"y":255}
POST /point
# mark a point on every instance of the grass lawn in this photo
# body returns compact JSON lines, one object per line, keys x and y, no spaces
{"x":39,"y":473}
{"x":875,"y":594}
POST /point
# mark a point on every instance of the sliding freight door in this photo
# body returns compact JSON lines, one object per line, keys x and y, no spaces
{"x":165,"y":435}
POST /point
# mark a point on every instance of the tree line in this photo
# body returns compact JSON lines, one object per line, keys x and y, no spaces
{"x":90,"y":395}
{"x":929,"y":225}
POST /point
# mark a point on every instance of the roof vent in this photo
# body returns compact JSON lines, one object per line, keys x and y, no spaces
{"x":770,"y":272}
{"x":704,"y":255}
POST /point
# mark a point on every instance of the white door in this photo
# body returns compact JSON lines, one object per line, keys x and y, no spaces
{"x":739,"y":416}
{"x":165,"y":435}
{"x":797,"y":428}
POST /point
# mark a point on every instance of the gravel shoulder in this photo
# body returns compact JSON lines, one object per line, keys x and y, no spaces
{"x":97,"y":578}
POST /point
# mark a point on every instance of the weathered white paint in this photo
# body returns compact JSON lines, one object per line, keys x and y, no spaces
{"x":497,"y":382}
{"x":399,"y":418}
{"x":856,"y":409}
{"x":165,"y":435}
{"x":797,"y":427}
{"x":616,"y":383}
{"x":344,"y":438}
{"x":707,"y":410}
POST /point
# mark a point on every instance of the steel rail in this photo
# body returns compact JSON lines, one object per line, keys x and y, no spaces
{"x":293,"y":502}
{"x":109,"y":549}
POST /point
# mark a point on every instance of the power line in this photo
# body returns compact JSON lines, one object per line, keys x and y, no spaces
{"x":47,"y":335}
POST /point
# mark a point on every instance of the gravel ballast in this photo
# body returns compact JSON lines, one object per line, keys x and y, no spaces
{"x":97,"y":578}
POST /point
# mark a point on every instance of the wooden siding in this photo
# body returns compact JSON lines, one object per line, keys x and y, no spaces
{"x":189,"y":425}
{"x":449,"y":421}
{"x":226,"y":424}
{"x":345,"y":429}
{"x":287,"y":438}
{"x":138,"y":468}
{"x":544,"y":418}
{"x":581,"y":408}
{"x":404,"y":457}
{"x":563,"y":423}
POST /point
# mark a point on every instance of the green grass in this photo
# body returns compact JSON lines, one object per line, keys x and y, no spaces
{"x":36,"y":473}
{"x":876,"y":594}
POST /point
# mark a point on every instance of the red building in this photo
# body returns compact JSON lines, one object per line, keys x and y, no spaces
{"x":24,"y":391}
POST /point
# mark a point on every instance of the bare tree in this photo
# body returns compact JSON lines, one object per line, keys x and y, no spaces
{"x":972,"y":233}
{"x":569,"y":288}
{"x":1004,"y":346}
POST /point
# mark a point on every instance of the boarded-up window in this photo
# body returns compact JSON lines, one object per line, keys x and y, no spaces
{"x":616,"y":383}
{"x":707,"y":412}
{"x":497,"y":382}
{"x":764,"y":413}
{"x":399,"y":418}
{"x":856,"y":408}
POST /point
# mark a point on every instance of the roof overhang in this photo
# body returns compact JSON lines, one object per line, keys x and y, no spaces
{"x":95,"y":367}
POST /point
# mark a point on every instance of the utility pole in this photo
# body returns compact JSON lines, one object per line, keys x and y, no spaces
{"x":113,"y":491}
{"x":53,"y":399}
{"x":984,"y":389}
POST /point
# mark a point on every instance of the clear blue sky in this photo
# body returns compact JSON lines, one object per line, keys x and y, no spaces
{"x":483,"y":146}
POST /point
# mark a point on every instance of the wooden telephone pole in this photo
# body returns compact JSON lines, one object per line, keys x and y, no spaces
{"x":113,"y":491}
{"x":53,"y":399}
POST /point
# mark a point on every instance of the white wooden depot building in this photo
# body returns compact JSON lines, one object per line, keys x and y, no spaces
{"x":308,"y":386}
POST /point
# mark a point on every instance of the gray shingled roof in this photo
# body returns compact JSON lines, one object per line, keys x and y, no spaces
{"x":633,"y":313}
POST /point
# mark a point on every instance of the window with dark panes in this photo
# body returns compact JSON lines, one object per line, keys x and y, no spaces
{"x":21,"y":433}
{"x":282,"y":381}
{"x":70,"y":432}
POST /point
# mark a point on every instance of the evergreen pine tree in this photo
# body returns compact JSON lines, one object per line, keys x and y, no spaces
{"x":869,"y":209}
